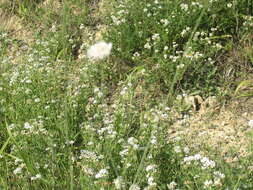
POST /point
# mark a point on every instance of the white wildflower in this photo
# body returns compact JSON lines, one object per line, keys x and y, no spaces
{"x":81,"y":26}
{"x":172,"y":185}
{"x":99,"y":50}
{"x":96,"y":90}
{"x":229,"y":5}
{"x":177,"y":149}
{"x":36,"y":100}
{"x":133,"y":142}
{"x":208,"y":183}
{"x":155,"y":37}
{"x":88,"y":171}
{"x":86,"y":154}
{"x":18,"y":170}
{"x":28,"y":81}
{"x":128,"y":165}
{"x":147,"y":46}
{"x":101,"y":173}
{"x":207,"y":163}
{"x":119,"y":183}
{"x":186,"y":150}
{"x":165,"y":22}
{"x":150,"y":168}
{"x":37,"y":176}
{"x":197,"y":156}
{"x":187,"y":29}
{"x":134,"y":187}
{"x":184,"y":7}
{"x":136,"y":54}
{"x":217,"y":182}
{"x":153,"y":140}
{"x":219,"y":46}
{"x":218,"y":174}
{"x":151,"y":181}
{"x":27,"y":125}
{"x":180,"y":66}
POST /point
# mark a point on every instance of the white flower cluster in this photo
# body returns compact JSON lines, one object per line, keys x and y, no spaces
{"x":205,"y":162}
{"x":155,"y":37}
{"x":86,"y":154}
{"x":248,"y":22}
{"x":20,"y":167}
{"x":185,"y":31}
{"x":132,"y":143}
{"x":134,"y":187}
{"x":197,"y":4}
{"x":192,"y":55}
{"x":119,"y":183}
{"x":87,"y":170}
{"x":184,"y":7}
{"x":151,"y":171}
{"x":216,"y":181}
{"x":118,"y":17}
{"x":98,"y":92}
{"x":172,"y":185}
{"x":102,"y":173}
{"x":126,"y":89}
{"x":165,"y":22}
{"x":107,"y":132}
{"x":36,"y":177}
{"x":33,"y":127}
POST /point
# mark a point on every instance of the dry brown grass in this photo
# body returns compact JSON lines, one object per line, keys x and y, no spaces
{"x":223,"y":130}
{"x":15,"y":27}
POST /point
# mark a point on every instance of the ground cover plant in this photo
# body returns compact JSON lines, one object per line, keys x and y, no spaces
{"x":91,"y":99}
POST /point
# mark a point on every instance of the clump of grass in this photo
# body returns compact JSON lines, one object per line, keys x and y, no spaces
{"x":244,"y":89}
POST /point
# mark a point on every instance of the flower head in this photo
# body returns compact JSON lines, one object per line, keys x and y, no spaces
{"x":101,"y":173}
{"x":119,"y":183}
{"x":99,"y":50}
{"x":134,"y":187}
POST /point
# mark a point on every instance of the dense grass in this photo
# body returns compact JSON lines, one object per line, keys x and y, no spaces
{"x":69,"y":122}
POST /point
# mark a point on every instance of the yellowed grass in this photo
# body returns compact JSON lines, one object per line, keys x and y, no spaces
{"x":224,"y":130}
{"x":53,"y":5}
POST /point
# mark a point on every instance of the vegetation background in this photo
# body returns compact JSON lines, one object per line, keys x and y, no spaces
{"x":170,"y":108}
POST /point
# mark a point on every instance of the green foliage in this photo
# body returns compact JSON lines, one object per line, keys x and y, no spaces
{"x":179,"y":40}
{"x":70,"y":122}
